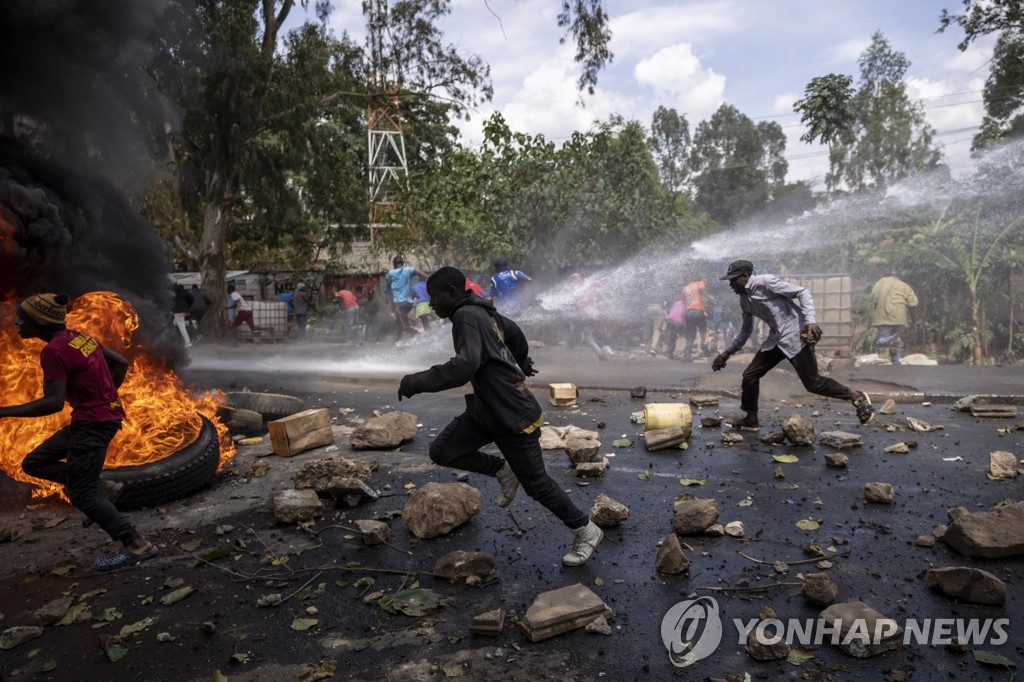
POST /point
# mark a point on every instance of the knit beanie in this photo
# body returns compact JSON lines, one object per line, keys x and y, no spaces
{"x":46,"y":309}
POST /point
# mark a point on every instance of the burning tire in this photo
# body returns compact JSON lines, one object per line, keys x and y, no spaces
{"x":187,"y":471}
{"x":270,"y":405}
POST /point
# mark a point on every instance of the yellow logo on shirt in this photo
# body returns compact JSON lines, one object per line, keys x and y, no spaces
{"x":84,"y":344}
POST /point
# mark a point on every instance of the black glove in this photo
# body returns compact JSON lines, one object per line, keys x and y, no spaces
{"x":405,"y":389}
{"x":720,"y":360}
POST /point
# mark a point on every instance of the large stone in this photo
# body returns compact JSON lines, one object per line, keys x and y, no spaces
{"x":292,"y":506}
{"x":317,"y":474}
{"x":581,"y":449}
{"x":592,"y":469}
{"x":554,"y":437}
{"x":372,"y":531}
{"x":384,"y":432}
{"x":989,"y":535}
{"x":671,"y":560}
{"x":488,"y":623}
{"x":1002,"y":464}
{"x":438,"y":508}
{"x":774,"y":437}
{"x":460,"y":564}
{"x":18,"y":635}
{"x":837,"y":460}
{"x":968,"y":584}
{"x":769,"y":649}
{"x":879,"y":493}
{"x":799,"y":430}
{"x":607,"y":512}
{"x":840,"y":439}
{"x":694,"y":516}
{"x":562,"y":610}
{"x":53,"y":611}
{"x":888,"y":407}
{"x":862,"y":631}
{"x":350,"y":491}
{"x":820,"y":589}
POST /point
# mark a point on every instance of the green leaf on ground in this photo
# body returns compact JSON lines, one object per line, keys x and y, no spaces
{"x":342,"y":582}
{"x":62,"y":570}
{"x":993,"y":658}
{"x":785,"y":459}
{"x":644,"y":475}
{"x":177,"y":595}
{"x":139,"y":626}
{"x":301,"y":624}
{"x":366,"y":581}
{"x":115,"y":652}
{"x":310,"y":594}
{"x":746,"y":502}
{"x":622,"y":442}
{"x":692,"y":481}
{"x":48,"y":666}
{"x":808,"y":524}
{"x":412,"y":602}
{"x":191,"y":545}
{"x":799,"y":656}
{"x":73,"y":614}
{"x":218,"y":676}
{"x":785,"y":485}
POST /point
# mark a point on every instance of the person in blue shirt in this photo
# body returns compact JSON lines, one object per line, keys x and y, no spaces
{"x":399,"y":280}
{"x":422,"y":302}
{"x":505,"y":286}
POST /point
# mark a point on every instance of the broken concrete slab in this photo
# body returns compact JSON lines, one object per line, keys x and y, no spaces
{"x":734,"y":529}
{"x":460,"y":564}
{"x":968,"y":584}
{"x":840,"y":439}
{"x":879,"y":493}
{"x":837,"y":460}
{"x":555,"y":437}
{"x":562,"y":395}
{"x":293,"y":506}
{"x":888,"y":407}
{"x":799,"y":430}
{"x":704,"y":400}
{"x":988,"y":535}
{"x":581,"y":448}
{"x":967,"y":402}
{"x":599,"y":626}
{"x":670,"y":559}
{"x":694,"y":516}
{"x":592,"y":469}
{"x":317,"y":474}
{"x":863,"y":632}
{"x":488,"y":623}
{"x":562,"y":610}
{"x":1002,"y":465}
{"x":384,"y":432}
{"x":994,"y":411}
{"x":710,"y":422}
{"x":372,"y":531}
{"x":350,"y":491}
{"x":921,"y":425}
{"x":438,"y":508}
{"x":899,"y":448}
{"x":607,"y":512}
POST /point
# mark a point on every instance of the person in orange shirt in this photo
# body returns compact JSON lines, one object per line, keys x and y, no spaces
{"x":696,"y":299}
{"x":348,"y":308}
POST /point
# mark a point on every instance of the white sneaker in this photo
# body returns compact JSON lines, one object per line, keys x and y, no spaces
{"x":584,"y":543}
{"x":509,"y":485}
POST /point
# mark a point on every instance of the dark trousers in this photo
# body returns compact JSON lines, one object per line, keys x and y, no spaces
{"x":73,"y":457}
{"x":402,"y":318}
{"x":672,"y":330}
{"x":806,"y":365}
{"x":696,"y":329}
{"x":458,"y":447}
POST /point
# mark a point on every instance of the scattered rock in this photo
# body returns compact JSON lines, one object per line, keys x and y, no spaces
{"x":776,"y":437}
{"x":671,"y":560}
{"x":989,"y":535}
{"x":704,"y":400}
{"x":384,"y":432}
{"x":372,"y":531}
{"x":350,"y":491}
{"x":840,"y":439}
{"x":899,"y":448}
{"x":710,"y":422}
{"x":554,"y":437}
{"x":599,"y":626}
{"x":888,"y":407}
{"x":939,"y":530}
{"x":694,"y":516}
{"x":460,"y":564}
{"x":994,"y":411}
{"x":780,"y":567}
{"x":715,"y":530}
{"x":18,"y":635}
{"x":1001,"y":465}
{"x":52,"y":611}
{"x":438,"y":508}
{"x":837,"y":460}
{"x":607,"y":512}
{"x":799,"y":430}
{"x":925,"y":541}
{"x":293,"y":506}
{"x":317,"y":474}
{"x":964,"y":404}
{"x":488,"y":623}
{"x":774,"y":648}
{"x":858,"y":624}
{"x":592,"y":469}
{"x":562,"y":610}
{"x":968,"y":584}
{"x":820,"y":589}
{"x":269,"y":600}
{"x":734,"y":529}
{"x":581,"y":449}
{"x":731,"y":438}
{"x":921,"y":425}
{"x":880,"y":493}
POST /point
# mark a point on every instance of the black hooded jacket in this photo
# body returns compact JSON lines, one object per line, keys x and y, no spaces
{"x":491,"y":352}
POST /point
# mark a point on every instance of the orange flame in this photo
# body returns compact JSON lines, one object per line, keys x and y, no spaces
{"x":162,"y":415}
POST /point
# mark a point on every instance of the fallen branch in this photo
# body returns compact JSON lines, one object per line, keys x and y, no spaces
{"x":798,"y":561}
{"x":356,"y":530}
{"x":757,"y":588}
{"x":300,"y":589}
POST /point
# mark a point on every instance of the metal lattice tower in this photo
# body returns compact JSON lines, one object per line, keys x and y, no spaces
{"x":385,"y":142}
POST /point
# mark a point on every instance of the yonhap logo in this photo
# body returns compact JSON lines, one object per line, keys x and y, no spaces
{"x":691,"y":630}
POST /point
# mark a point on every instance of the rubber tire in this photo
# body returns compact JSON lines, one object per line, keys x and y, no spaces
{"x":184,"y":473}
{"x":270,"y":405}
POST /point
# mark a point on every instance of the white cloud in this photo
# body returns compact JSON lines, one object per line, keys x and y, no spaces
{"x":849,"y":50}
{"x":676,"y":74}
{"x":783,"y":104}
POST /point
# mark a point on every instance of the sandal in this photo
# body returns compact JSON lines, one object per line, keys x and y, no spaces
{"x":113,"y":495}
{"x":124,"y":558}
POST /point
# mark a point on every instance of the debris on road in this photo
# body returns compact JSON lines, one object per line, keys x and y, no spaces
{"x":384,"y":432}
{"x":799,"y":430}
{"x":460,"y":565}
{"x":670,"y":559}
{"x":859,"y":625}
{"x":820,"y":589}
{"x":989,"y":535}
{"x":1002,"y":465}
{"x":879,"y":493}
{"x":840,"y":439}
{"x":607,"y":512}
{"x":294,"y":506}
{"x":438,"y":508}
{"x":300,"y":432}
{"x":968,"y":584}
{"x":488,"y":623}
{"x":694,"y":515}
{"x":562,"y":610}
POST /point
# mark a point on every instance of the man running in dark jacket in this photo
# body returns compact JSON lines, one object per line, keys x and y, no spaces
{"x":492,"y":354}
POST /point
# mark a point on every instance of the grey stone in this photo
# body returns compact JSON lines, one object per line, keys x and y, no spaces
{"x":820,"y":589}
{"x":837,"y":460}
{"x":710,"y":422}
{"x":731,"y":438}
{"x":879,"y":493}
{"x":373,"y":532}
{"x":862,"y":631}
{"x":704,"y":400}
{"x":964,"y":404}
{"x":554,"y":437}
{"x":925,"y":541}
{"x":438,"y":508}
{"x":599,"y":626}
{"x":1002,"y":464}
{"x":776,"y":437}
{"x":968,"y":584}
{"x":670,"y":559}
{"x":488,"y":623}
{"x":592,"y":469}
{"x":989,"y":535}
{"x":351,"y":491}
{"x":581,"y":449}
{"x":888,"y":407}
{"x":799,"y":430}
{"x":562,"y":610}
{"x":840,"y":439}
{"x":900,"y":448}
{"x":293,"y":506}
{"x":734,"y":529}
{"x":607,"y":512}
{"x":694,"y":516}
{"x":53,"y":611}
{"x":18,"y":635}
{"x":317,"y":474}
{"x":460,"y":564}
{"x":764,"y":650}
{"x":384,"y":432}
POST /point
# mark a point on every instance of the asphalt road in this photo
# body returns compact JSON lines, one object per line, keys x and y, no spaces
{"x":871,"y":546}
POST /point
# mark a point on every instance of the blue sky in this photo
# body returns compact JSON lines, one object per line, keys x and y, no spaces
{"x":757,"y":55}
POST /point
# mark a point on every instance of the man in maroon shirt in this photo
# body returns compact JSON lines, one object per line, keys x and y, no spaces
{"x":77,"y":369}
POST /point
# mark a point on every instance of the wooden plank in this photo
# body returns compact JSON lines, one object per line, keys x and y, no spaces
{"x":301,"y":431}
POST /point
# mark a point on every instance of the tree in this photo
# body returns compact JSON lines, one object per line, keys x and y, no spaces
{"x":983,"y":17}
{"x":827,"y":111}
{"x":670,"y":144}
{"x":773,"y":159}
{"x":1004,"y":93}
{"x":587,"y":22}
{"x":890,"y":137}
